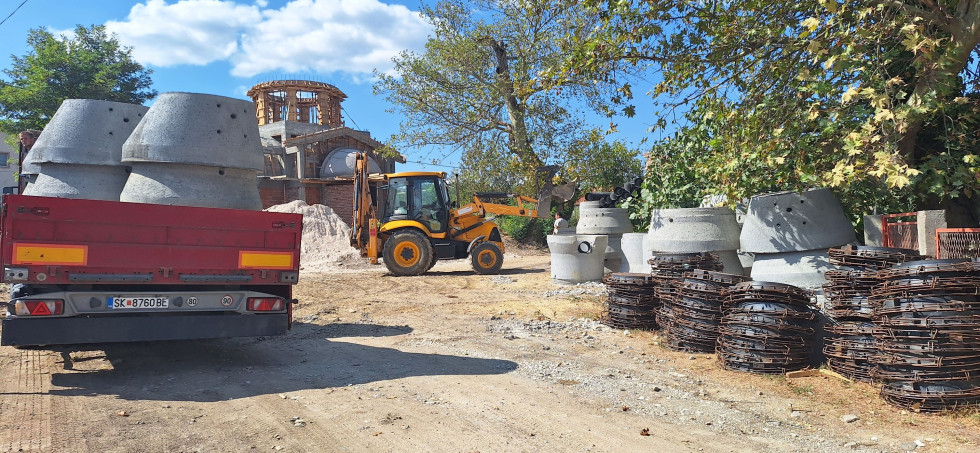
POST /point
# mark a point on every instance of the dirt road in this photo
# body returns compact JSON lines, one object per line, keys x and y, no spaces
{"x":448,"y":362}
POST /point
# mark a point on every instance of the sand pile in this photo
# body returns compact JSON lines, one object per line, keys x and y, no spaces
{"x":326,"y":238}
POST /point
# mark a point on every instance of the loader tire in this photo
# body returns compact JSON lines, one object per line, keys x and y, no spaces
{"x":487,"y":258}
{"x":407,"y":253}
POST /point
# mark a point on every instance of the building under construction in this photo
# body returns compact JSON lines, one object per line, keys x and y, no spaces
{"x":309,"y":153}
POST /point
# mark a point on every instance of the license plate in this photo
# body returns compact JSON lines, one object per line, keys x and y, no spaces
{"x":138,"y":302}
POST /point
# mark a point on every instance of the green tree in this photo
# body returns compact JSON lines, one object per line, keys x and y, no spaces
{"x":475,"y":89}
{"x":89,"y":65}
{"x":875,"y":98}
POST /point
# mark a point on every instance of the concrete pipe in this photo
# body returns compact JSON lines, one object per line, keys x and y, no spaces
{"x":612,"y":222}
{"x":91,"y":182}
{"x":692,"y":230}
{"x":804,"y":269}
{"x":82,"y":135}
{"x":192,"y":185}
{"x":790,"y":221}
{"x":198,"y":129}
{"x":635,"y":261}
{"x":577,"y":258}
{"x":593,"y":219}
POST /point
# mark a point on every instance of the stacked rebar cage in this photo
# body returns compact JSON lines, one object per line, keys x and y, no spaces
{"x":766,"y":328}
{"x":927,"y":331}
{"x":635,"y":299}
{"x":850,"y":347}
{"x":691,"y":309}
{"x":632,"y":300}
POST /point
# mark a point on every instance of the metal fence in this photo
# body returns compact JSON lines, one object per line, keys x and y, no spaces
{"x":957,"y":243}
{"x":897,"y":230}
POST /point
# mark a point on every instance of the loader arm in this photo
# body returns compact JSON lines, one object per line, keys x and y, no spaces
{"x":364,"y":227}
{"x":521,"y":208}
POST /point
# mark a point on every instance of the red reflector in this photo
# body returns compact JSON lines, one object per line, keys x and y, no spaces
{"x":44,"y":308}
{"x":264,"y":304}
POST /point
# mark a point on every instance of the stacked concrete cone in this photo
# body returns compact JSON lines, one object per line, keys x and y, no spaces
{"x":695,"y":230}
{"x":612,"y":222}
{"x":789,"y":234}
{"x":79,"y":153}
{"x":577,"y":258}
{"x":195,"y":150}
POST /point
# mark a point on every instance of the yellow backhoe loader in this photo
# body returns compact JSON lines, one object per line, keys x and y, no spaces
{"x":407,"y":220}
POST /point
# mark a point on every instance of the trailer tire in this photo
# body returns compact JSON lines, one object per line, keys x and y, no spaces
{"x":486,"y":258}
{"x":408,"y":253}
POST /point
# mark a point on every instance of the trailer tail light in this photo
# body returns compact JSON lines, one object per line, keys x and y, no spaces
{"x":39,"y":307}
{"x":264,"y":304}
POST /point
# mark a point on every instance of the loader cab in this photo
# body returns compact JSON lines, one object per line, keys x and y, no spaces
{"x":418,"y":196}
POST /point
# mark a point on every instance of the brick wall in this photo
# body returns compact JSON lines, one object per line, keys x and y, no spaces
{"x":340,"y":198}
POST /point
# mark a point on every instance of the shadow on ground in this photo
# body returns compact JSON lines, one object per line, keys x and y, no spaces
{"x":436,"y":271}
{"x":217,"y":370}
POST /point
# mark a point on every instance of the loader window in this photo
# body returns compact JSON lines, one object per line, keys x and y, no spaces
{"x":431,"y":197}
{"x":396,"y":203}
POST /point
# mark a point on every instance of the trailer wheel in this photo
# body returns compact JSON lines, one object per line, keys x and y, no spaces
{"x":407,"y":253}
{"x":487,"y":258}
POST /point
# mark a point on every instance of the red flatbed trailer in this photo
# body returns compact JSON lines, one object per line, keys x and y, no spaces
{"x":90,"y":271}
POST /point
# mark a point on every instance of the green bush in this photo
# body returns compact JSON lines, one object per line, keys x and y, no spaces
{"x":525,"y":230}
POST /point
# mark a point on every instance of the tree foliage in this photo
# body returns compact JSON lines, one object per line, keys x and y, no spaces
{"x":875,"y":98}
{"x":89,"y":65}
{"x":476,"y":89}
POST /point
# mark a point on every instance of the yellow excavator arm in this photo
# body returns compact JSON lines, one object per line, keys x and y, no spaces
{"x":364,"y":230}
{"x":519,"y":209}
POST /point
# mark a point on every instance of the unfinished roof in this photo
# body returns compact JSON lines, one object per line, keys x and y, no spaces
{"x":302,"y":101}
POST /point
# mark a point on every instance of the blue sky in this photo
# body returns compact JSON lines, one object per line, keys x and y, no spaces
{"x":226,"y":47}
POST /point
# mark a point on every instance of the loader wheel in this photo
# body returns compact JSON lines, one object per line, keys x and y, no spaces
{"x":487,"y":258}
{"x":407,"y":253}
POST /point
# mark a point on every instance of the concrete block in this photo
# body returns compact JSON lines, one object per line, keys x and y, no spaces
{"x":634,"y":259}
{"x":198,"y":129}
{"x":90,"y":182}
{"x":730,"y":260}
{"x":577,"y":258}
{"x":928,"y":222}
{"x":790,"y":221}
{"x":692,"y":230}
{"x":872,"y":231}
{"x":803,"y":269}
{"x":745,"y":258}
{"x":192,"y":185}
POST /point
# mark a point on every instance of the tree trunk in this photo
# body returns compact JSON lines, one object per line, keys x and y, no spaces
{"x":937,"y":82}
{"x":519,"y":142}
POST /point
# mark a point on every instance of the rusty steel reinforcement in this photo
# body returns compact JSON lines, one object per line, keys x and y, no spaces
{"x":767,"y":328}
{"x":850,"y":347}
{"x":635,"y":299}
{"x":926,"y":318}
{"x":692,"y":309}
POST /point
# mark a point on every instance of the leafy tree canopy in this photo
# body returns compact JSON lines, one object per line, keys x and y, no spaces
{"x":876,"y":98}
{"x":89,"y":65}
{"x":476,"y":88}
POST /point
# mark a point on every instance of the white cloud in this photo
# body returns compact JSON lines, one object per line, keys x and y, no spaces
{"x":326,"y":36}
